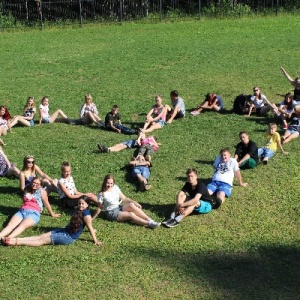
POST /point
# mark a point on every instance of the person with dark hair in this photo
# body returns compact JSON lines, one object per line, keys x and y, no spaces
{"x":34,"y":198}
{"x":295,"y":83}
{"x":4,"y":122}
{"x":226,"y":168}
{"x":113,"y":122}
{"x":212,"y":102}
{"x":30,"y":170}
{"x":241,"y":104}
{"x":193,"y":197}
{"x":260,"y":102}
{"x":141,"y":171}
{"x":61,"y":236}
{"x":110,"y":198}
{"x":7,"y":169}
{"x":286,"y":109}
{"x":67,"y":191}
{"x":293,"y":129}
{"x":246,"y":152}
{"x":178,"y":109}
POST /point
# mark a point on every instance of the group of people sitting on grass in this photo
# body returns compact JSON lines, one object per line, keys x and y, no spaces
{"x":194,"y":197}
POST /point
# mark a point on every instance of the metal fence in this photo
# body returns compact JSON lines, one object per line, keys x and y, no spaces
{"x":39,"y":12}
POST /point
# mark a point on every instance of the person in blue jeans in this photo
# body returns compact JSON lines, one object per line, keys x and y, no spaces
{"x":113,"y":122}
{"x":62,"y":236}
{"x":141,"y":171}
{"x":193,"y":197}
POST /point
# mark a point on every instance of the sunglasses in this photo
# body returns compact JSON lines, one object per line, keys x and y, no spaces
{"x":255,"y":90}
{"x":30,"y":161}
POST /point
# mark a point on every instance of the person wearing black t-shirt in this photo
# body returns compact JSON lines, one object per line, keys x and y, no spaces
{"x":193,"y":197}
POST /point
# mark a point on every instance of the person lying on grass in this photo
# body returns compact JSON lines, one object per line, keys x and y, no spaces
{"x":110,"y":198}
{"x":193,"y":197}
{"x":272,"y":143}
{"x":141,"y":171}
{"x":226,"y":168}
{"x":61,"y":236}
{"x":34,"y":198}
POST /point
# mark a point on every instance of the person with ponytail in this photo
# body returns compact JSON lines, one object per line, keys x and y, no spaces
{"x":61,"y":236}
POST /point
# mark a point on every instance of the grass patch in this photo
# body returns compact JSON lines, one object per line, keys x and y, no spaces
{"x":249,"y":247}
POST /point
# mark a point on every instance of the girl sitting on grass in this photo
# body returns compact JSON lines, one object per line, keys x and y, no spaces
{"x":29,"y":214}
{"x":211,"y":102}
{"x":293,"y":129}
{"x":61,"y":236}
{"x":110,"y":198}
{"x":4,"y":122}
{"x":67,"y":191}
{"x":28,"y":114}
{"x":89,"y":113}
{"x":7,"y":169}
{"x":30,"y":170}
{"x":45,"y":117}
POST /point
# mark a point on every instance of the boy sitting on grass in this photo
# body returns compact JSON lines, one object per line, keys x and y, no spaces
{"x":273,"y":141}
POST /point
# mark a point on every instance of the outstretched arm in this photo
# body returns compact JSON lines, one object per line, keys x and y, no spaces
{"x":239,"y":178}
{"x":289,"y":78}
{"x":47,"y":204}
{"x":88,"y":221}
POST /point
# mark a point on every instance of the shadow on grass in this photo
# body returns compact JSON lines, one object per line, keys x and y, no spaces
{"x":161,"y":210}
{"x":261,"y":120}
{"x":269,"y":272}
{"x":10,"y":190}
{"x":204,"y":162}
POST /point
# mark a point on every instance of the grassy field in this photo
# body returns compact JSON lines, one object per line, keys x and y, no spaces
{"x":249,"y":249}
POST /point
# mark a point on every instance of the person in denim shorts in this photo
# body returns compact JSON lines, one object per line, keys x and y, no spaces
{"x":62,"y":236}
{"x":30,"y":212}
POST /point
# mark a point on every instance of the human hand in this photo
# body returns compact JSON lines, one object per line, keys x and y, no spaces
{"x":243,"y":184}
{"x":98,"y":243}
{"x":285,"y":152}
{"x":56,"y":215}
{"x":118,"y":130}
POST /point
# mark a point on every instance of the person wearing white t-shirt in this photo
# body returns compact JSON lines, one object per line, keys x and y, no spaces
{"x":226,"y":168}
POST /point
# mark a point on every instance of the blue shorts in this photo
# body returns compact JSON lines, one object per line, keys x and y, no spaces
{"x":61,"y":237}
{"x":161,"y":123}
{"x":112,"y":215}
{"x":219,"y":186}
{"x":28,"y":213}
{"x":291,"y":131}
{"x":265,"y":152}
{"x":144,"y":171}
{"x":31,"y":122}
{"x":204,"y":208}
{"x":130,"y":144}
{"x":46,"y":120}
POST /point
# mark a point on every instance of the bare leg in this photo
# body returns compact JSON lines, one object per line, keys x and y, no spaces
{"x":290,"y":137}
{"x":14,"y":121}
{"x":33,"y":241}
{"x":152,"y":127}
{"x":25,"y":223}
{"x":12,"y":224}
{"x":24,"y":122}
{"x":131,"y":216}
{"x":117,"y":148}
{"x":54,"y":117}
{"x":130,"y":207}
{"x":221,"y":195}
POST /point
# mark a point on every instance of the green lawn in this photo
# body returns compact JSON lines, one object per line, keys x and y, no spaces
{"x":249,"y":249}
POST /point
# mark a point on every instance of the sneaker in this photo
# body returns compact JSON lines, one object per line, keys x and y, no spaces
{"x":152,"y":224}
{"x":218,"y":203}
{"x":167,"y":221}
{"x":195,"y":113}
{"x":172,"y":223}
{"x":100,"y":124}
{"x":265,"y":162}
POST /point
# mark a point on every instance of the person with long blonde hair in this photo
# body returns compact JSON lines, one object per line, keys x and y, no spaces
{"x":27,"y":119}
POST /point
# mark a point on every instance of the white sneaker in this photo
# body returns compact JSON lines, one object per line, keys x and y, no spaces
{"x":152,"y":224}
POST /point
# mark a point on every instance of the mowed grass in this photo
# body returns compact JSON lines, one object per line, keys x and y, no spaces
{"x":249,"y":249}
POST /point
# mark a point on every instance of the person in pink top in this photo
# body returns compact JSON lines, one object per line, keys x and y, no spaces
{"x":148,"y":147}
{"x":156,"y":117}
{"x":29,"y":213}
